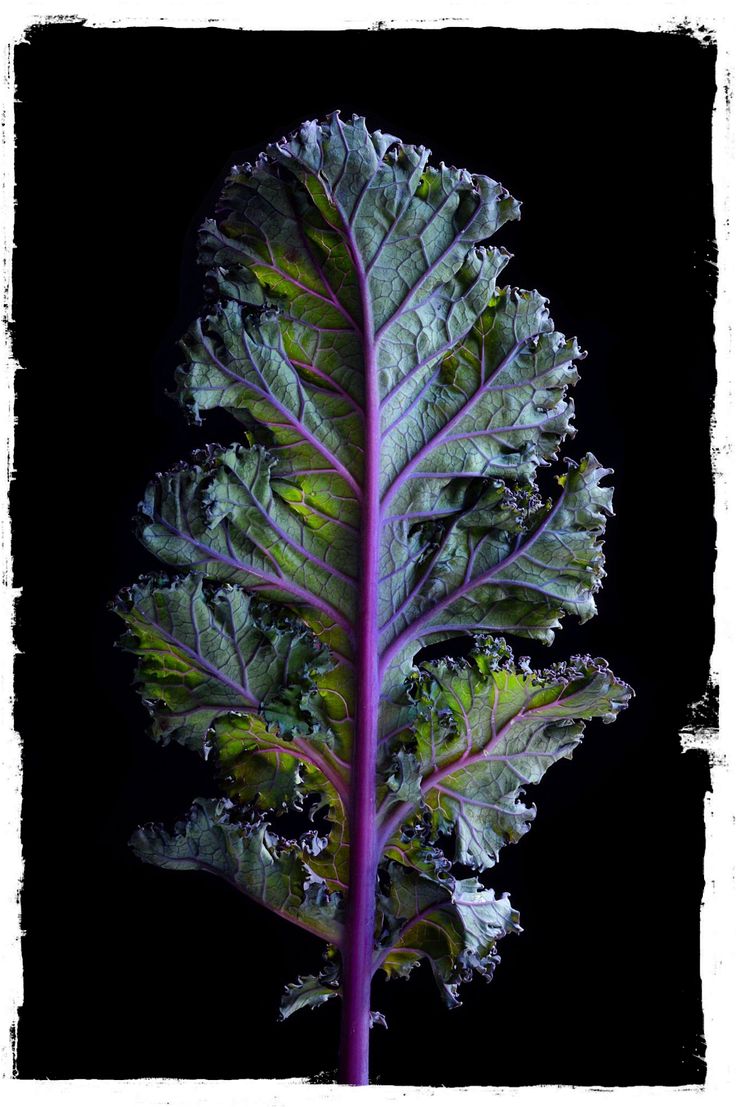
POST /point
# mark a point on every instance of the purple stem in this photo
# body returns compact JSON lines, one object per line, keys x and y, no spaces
{"x":357,"y":950}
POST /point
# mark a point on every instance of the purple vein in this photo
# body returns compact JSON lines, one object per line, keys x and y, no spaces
{"x":538,"y":588}
{"x":311,"y":558}
{"x":343,"y":169}
{"x":392,"y":733}
{"x":313,"y":326}
{"x":325,"y":934}
{"x":297,"y":424}
{"x":474,"y":802}
{"x":329,"y":299}
{"x":404,"y":305}
{"x":411,"y":631}
{"x":466,"y":628}
{"x":323,"y":514}
{"x":239,"y":653}
{"x":322,"y":275}
{"x":473,"y":555}
{"x":419,"y":396}
{"x":449,"y":345}
{"x":442,"y":435}
{"x":534,"y":380}
{"x":391,"y":822}
{"x":281,"y":583}
{"x":306,"y":753}
{"x":382,"y":954}
{"x":265,"y":554}
{"x":333,"y":385}
{"x":416,"y":590}
{"x":418,"y":515}
{"x":493,"y":433}
{"x":403,"y":566}
{"x":241,"y":691}
{"x":420,"y":917}
{"x":440,"y":207}
{"x":360,"y":913}
{"x":332,"y":301}
{"x":419,"y":169}
{"x":288,"y":415}
{"x":362,"y":194}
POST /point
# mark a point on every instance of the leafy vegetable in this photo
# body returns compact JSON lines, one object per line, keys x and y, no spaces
{"x":396,"y":406}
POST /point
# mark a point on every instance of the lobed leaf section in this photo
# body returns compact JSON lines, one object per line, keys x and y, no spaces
{"x":395,"y":405}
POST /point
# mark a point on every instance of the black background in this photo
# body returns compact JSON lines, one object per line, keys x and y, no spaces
{"x":123,"y":140}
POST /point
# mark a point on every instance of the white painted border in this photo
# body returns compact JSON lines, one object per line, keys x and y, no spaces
{"x":718,"y":959}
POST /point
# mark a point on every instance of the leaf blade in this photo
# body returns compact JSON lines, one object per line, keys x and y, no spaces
{"x":502,"y":727}
{"x":248,"y":858}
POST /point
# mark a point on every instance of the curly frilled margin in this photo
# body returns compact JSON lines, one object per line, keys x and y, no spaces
{"x":396,"y":404}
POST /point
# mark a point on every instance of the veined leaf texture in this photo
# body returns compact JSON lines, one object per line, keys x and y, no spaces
{"x":394,"y":404}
